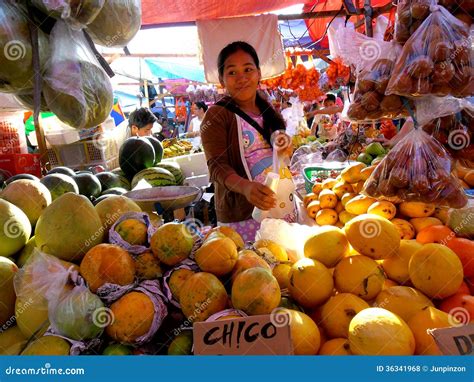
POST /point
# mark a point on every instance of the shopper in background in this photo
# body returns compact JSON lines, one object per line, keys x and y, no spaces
{"x":198,"y":109}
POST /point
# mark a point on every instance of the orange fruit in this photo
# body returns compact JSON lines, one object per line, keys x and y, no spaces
{"x":436,"y":271}
{"x":429,"y":318}
{"x":336,"y":346}
{"x":464,"y":248}
{"x":460,"y":306}
{"x":435,"y":234}
{"x":256,"y":291}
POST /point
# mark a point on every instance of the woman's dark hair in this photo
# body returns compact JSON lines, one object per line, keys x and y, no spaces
{"x":272,"y":120}
{"x":141,"y":118}
{"x":201,"y":105}
{"x":231,"y":49}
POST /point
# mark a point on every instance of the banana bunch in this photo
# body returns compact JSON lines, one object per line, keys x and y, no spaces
{"x":175,"y":147}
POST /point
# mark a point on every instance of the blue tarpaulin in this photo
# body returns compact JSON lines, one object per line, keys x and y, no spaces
{"x":165,"y":69}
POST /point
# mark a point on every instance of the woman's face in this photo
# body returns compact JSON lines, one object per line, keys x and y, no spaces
{"x":241,"y":76}
{"x":198,"y":111}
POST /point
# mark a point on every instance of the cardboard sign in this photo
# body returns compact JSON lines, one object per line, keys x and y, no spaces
{"x":455,"y":341}
{"x":254,"y":335}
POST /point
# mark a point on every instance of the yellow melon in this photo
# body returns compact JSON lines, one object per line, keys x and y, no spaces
{"x":311,"y":283}
{"x":48,"y":345}
{"x":336,"y":346}
{"x":305,"y":335}
{"x":403,"y":301}
{"x":359,"y":275}
{"x":337,"y":313}
{"x":278,"y":251}
{"x":396,"y":266}
{"x":328,"y":245}
{"x":436,"y":271}
{"x":282,"y":273}
{"x":377,"y":331}
{"x":373,"y":236}
{"x":12,"y":340}
{"x":429,"y":318}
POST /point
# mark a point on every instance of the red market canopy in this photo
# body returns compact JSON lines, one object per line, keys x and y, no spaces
{"x":156,"y":12}
{"x":317,"y":27}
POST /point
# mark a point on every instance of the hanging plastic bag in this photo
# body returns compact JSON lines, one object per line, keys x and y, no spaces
{"x":370,"y":102}
{"x":339,"y":23}
{"x":416,"y":169}
{"x":117,"y":23}
{"x":16,"y":60}
{"x":78,"y":13}
{"x":456,"y":130}
{"x":437,"y":59}
{"x":410,"y":15}
{"x":75,"y":87}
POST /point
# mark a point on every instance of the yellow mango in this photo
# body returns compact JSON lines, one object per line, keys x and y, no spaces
{"x":359,"y":205}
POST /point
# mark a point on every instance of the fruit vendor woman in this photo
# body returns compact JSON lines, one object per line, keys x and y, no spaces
{"x":235,"y":136}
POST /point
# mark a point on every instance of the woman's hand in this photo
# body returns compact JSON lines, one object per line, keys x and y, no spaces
{"x":260,"y":196}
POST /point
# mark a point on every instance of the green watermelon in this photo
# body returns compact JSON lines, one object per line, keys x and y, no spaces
{"x":154,"y":177}
{"x":20,"y":176}
{"x":62,"y":170}
{"x":175,"y":169}
{"x":109,"y":180}
{"x":158,"y":147}
{"x":136,"y":154}
{"x":88,"y":184}
{"x":59,"y":184}
{"x":114,"y":191}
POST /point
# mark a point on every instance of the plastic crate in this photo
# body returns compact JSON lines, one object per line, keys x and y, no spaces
{"x":15,"y":164}
{"x":323,"y":171}
{"x":57,"y":133}
{"x":12,"y":134}
{"x":102,"y":151}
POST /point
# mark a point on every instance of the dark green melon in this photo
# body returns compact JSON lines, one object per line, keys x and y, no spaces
{"x":59,"y":184}
{"x":136,"y":154}
{"x":20,"y":176}
{"x":114,"y":191}
{"x":109,"y":179}
{"x":88,"y":185}
{"x":158,"y":147}
{"x":62,"y":170}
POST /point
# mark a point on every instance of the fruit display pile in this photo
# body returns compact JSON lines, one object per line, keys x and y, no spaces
{"x":374,"y":277}
{"x":175,"y":147}
{"x":303,"y":81}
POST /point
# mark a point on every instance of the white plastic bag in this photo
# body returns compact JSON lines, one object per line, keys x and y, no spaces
{"x":78,"y":13}
{"x":75,"y":87}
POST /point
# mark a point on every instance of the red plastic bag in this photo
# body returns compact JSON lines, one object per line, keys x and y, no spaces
{"x":417,"y":169}
{"x":437,"y":59}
